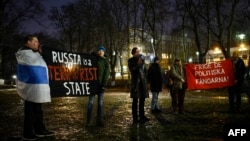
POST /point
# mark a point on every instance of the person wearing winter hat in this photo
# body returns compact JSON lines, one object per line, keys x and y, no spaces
{"x":154,"y":76}
{"x":101,"y":48}
{"x":103,"y":71}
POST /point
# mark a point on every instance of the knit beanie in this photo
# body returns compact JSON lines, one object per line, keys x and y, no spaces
{"x":101,"y":48}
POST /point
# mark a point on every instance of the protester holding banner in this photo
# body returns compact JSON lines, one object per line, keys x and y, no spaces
{"x":234,"y":92}
{"x":154,"y":77}
{"x":246,"y":84}
{"x":178,"y":87}
{"x":138,"y":87}
{"x":103,"y":71}
{"x":33,"y":87}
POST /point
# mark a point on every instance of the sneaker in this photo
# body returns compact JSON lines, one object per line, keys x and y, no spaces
{"x":30,"y":138}
{"x":144,"y":119}
{"x":45,"y":133}
{"x":135,"y":121}
{"x":158,"y":110}
{"x":153,"y":111}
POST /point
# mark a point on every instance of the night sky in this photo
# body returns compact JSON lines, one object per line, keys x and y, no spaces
{"x":33,"y":27}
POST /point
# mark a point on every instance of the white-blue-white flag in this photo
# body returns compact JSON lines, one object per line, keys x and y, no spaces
{"x":32,"y":77}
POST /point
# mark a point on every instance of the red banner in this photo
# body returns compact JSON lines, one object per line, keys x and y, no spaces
{"x":210,"y":75}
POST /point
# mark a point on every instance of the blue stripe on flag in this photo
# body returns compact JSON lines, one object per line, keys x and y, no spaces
{"x":32,"y":74}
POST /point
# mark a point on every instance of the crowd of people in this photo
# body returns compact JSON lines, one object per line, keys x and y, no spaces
{"x":33,"y":86}
{"x":154,"y":76}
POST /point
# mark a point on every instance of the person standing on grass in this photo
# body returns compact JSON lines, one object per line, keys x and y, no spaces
{"x":33,"y":87}
{"x":154,"y":76}
{"x":246,"y":87}
{"x":179,"y":87}
{"x":138,"y":87}
{"x":103,"y":71}
{"x":234,"y":92}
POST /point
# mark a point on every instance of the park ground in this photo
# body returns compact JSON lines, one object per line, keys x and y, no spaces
{"x":206,"y":113}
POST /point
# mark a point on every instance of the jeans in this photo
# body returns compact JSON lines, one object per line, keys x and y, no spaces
{"x":99,"y":106}
{"x":154,"y":100}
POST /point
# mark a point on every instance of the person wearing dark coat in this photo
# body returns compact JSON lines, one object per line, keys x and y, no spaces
{"x":154,"y":77}
{"x":138,"y":90}
{"x":178,"y":88}
{"x":234,"y":92}
{"x":103,"y":77}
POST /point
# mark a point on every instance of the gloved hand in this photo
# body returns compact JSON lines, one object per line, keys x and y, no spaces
{"x":101,"y":89}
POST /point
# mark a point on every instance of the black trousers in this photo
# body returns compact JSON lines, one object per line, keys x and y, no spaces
{"x":234,"y":96}
{"x":33,"y":118}
{"x":178,"y":99}
{"x":141,"y":108}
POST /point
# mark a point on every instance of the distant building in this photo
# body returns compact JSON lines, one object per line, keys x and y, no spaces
{"x":167,"y":48}
{"x":216,"y":54}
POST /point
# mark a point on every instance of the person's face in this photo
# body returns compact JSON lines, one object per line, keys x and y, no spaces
{"x":101,"y":53}
{"x":177,"y":63}
{"x":234,"y":56}
{"x":137,"y":53}
{"x":33,"y":44}
{"x":158,"y":61}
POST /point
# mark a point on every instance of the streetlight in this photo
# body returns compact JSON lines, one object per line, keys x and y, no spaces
{"x":190,"y":60}
{"x":242,"y":36}
{"x":152,"y":42}
{"x":14,"y":79}
{"x":197,"y":54}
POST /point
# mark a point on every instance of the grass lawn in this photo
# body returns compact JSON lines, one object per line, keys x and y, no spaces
{"x":206,"y":112}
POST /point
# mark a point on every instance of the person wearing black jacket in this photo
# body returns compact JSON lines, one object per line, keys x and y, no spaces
{"x":234,"y":92}
{"x":138,"y":90}
{"x":154,"y":77}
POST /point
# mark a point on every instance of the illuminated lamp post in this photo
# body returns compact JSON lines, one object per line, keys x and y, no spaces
{"x":242,"y":47}
{"x":216,"y":52}
{"x":242,"y":36}
{"x":197,"y":54}
{"x":13,"y":81}
{"x":152,"y":43}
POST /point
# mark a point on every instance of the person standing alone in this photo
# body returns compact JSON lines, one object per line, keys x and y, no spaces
{"x":138,"y":90}
{"x":33,"y":87}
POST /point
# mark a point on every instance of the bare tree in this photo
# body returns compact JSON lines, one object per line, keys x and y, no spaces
{"x":153,"y":20}
{"x":13,"y":13}
{"x":222,"y":26}
{"x":210,"y":21}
